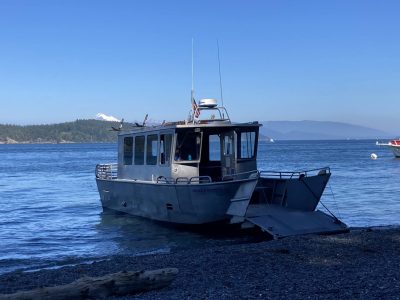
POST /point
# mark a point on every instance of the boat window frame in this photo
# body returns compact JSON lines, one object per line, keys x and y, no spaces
{"x":125,"y":152}
{"x":143,"y":152}
{"x":219,"y":147}
{"x":239,"y":132}
{"x":167,"y":162}
{"x":151,"y":148}
{"x":195,"y":130}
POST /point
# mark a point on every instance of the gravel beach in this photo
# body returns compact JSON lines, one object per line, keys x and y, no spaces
{"x":361,"y":264}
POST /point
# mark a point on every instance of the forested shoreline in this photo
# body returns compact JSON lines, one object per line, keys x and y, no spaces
{"x":79,"y":131}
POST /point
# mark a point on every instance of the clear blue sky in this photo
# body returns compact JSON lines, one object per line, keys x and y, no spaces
{"x":281,"y":60}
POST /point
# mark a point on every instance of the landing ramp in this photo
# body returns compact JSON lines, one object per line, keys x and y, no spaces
{"x":281,"y":222}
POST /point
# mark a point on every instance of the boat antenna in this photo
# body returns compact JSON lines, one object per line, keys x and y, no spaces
{"x":192,"y":68}
{"x":145,"y":119}
{"x":220,"y":77}
{"x":192,"y":91}
{"x":119,"y":128}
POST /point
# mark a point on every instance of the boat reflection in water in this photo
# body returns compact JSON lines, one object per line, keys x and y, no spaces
{"x":131,"y":235}
{"x":204,"y":170}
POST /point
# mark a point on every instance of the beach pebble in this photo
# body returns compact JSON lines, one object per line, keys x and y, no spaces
{"x":361,"y":264}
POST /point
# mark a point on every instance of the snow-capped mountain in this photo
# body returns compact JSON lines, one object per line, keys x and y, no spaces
{"x":104,"y":117}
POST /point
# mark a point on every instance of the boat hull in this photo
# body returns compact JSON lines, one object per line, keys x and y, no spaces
{"x":396,"y":151}
{"x":177,"y":203}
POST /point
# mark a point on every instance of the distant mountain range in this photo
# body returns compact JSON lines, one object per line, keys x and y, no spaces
{"x":318,"y":130}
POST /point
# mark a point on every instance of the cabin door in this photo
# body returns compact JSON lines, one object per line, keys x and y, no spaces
{"x":228,"y":161}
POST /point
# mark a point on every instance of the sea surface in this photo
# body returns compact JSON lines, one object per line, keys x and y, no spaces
{"x":50,"y":212}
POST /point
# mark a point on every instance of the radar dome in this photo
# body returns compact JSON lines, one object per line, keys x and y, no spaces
{"x":208,"y":103}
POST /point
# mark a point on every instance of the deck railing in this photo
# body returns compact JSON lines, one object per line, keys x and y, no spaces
{"x":289,"y":175}
{"x":106,"y":171}
{"x":208,"y":179}
{"x":242,"y":175}
{"x":110,"y":171}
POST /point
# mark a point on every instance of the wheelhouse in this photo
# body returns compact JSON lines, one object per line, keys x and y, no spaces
{"x":181,"y":152}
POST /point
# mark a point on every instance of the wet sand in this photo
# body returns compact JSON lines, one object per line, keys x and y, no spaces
{"x":361,"y":264}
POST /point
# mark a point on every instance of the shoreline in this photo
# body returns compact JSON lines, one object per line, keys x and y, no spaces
{"x":9,"y":141}
{"x":363,"y":263}
{"x":54,"y":142}
{"x":35,"y":143}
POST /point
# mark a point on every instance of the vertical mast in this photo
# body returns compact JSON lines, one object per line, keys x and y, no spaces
{"x":220,"y":78}
{"x":192,"y":91}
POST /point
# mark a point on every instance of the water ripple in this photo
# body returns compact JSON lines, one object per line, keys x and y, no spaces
{"x":50,"y":209}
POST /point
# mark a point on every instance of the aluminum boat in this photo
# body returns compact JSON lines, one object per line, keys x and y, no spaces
{"x":204,"y":170}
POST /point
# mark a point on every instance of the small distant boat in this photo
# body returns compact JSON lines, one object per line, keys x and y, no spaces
{"x":394,"y":145}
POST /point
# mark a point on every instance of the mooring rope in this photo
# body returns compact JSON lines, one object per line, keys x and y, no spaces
{"x":315,"y":196}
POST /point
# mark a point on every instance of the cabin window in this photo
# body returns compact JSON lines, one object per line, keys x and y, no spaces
{"x":214,"y":147}
{"x":165,"y":149}
{"x":139,"y":150}
{"x":228,"y":145}
{"x":152,"y":149}
{"x":247,"y":141}
{"x":187,"y":146}
{"x":128,"y":150}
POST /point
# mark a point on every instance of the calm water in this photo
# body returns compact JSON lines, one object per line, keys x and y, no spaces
{"x":50,"y":209}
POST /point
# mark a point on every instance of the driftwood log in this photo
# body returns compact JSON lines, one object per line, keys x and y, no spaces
{"x":117,"y":284}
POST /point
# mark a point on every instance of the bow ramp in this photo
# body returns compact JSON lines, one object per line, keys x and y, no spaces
{"x":281,"y":222}
{"x":284,"y":204}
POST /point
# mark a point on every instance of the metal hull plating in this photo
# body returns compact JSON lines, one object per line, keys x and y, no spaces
{"x":301,"y":193}
{"x":177,"y":203}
